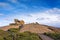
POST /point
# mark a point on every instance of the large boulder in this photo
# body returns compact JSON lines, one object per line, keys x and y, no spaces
{"x":19,"y":22}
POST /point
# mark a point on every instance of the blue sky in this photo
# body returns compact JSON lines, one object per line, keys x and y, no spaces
{"x":42,"y":11}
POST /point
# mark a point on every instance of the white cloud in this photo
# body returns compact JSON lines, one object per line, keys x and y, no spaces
{"x":5,"y":22}
{"x":26,"y":0}
{"x":49,"y":17}
{"x":43,"y":18}
{"x":13,"y":1}
{"x":46,"y":17}
{"x":19,"y":4}
{"x":6,"y":6}
{"x":0,"y":23}
{"x":1,"y":14}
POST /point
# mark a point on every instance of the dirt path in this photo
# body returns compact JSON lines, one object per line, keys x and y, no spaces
{"x":44,"y":37}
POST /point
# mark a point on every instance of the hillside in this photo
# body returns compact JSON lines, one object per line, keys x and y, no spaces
{"x":33,"y":31}
{"x":57,"y":30}
{"x":35,"y":28}
{"x":32,"y":27}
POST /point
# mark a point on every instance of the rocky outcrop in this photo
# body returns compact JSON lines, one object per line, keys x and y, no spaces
{"x":17,"y":22}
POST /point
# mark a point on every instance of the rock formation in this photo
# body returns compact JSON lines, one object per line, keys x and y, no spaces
{"x":17,"y":22}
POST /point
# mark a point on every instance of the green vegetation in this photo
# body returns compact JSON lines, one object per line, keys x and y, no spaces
{"x":14,"y":34}
{"x":1,"y":38}
{"x":3,"y":33}
{"x":13,"y":30}
{"x":55,"y":36}
{"x":28,"y":36}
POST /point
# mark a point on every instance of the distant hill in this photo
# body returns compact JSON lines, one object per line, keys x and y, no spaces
{"x":32,"y":27}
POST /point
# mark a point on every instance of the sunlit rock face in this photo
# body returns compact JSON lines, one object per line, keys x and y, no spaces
{"x":17,"y":22}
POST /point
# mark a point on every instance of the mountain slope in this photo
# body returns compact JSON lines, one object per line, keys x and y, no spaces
{"x":32,"y":27}
{"x":35,"y":28}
